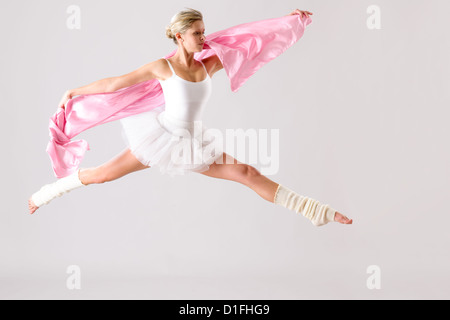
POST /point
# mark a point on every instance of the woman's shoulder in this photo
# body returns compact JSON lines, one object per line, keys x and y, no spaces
{"x":212,"y":64}
{"x":162,"y":70}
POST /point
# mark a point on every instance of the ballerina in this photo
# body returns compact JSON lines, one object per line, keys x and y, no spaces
{"x":153,"y":137}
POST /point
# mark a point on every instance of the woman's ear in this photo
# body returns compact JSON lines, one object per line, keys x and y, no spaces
{"x":178,"y":36}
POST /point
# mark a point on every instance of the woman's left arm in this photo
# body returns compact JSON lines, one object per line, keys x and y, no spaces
{"x":213,"y":64}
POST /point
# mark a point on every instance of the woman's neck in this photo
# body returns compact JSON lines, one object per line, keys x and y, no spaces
{"x":184,"y":58}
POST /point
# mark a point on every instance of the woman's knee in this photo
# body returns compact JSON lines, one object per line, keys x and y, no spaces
{"x":251,"y":172}
{"x":104,"y":174}
{"x":232,"y":169}
{"x":92,"y":175}
{"x":245,"y":173}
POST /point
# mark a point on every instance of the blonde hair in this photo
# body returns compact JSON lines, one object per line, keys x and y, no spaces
{"x":181,"y":22}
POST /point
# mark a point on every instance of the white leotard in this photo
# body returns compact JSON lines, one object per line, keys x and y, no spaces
{"x":172,"y":136}
{"x":185,"y":100}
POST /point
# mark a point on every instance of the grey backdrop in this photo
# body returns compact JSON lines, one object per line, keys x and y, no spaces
{"x":363,"y":119}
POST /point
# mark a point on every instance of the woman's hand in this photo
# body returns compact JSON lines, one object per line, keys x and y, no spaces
{"x":300,"y":12}
{"x":66,"y":97}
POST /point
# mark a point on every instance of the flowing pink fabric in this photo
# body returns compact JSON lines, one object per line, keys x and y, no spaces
{"x":243,"y":49}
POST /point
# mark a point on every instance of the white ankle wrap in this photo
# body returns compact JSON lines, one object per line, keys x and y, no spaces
{"x":309,"y":208}
{"x":50,"y":191}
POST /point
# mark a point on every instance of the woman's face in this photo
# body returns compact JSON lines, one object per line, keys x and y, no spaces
{"x":194,"y":37}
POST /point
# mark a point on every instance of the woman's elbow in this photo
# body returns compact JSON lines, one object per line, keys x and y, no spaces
{"x":219,"y":65}
{"x":116,"y":83}
{"x":112,"y":84}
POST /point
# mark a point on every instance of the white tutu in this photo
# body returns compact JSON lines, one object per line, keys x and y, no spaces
{"x":176,"y":147}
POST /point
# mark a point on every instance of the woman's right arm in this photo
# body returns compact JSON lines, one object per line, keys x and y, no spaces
{"x":143,"y":73}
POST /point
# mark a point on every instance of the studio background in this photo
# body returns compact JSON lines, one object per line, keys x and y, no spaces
{"x":363,"y":121}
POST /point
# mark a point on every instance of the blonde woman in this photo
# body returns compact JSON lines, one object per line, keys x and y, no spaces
{"x":153,"y":137}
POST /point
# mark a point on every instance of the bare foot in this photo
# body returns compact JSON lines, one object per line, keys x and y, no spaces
{"x":339,"y":217}
{"x":32,"y":207}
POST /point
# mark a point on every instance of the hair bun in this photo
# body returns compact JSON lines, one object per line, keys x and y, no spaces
{"x":169,"y":33}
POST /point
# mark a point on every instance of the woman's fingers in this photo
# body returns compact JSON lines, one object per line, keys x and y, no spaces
{"x":302,"y":13}
{"x":62,"y":103}
{"x":305,"y":13}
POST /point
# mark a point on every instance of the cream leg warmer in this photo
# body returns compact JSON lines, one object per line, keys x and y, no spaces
{"x":50,"y":191}
{"x":309,"y":208}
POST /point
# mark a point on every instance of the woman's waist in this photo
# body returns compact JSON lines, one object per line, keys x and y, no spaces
{"x":173,"y":123}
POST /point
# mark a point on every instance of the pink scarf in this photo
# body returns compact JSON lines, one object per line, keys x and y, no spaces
{"x":243,"y":49}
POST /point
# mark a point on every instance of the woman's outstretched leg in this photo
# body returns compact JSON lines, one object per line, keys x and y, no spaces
{"x":232,"y":169}
{"x":122,"y":164}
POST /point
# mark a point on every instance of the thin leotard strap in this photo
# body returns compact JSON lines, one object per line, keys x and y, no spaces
{"x":170,"y":66}
{"x":204,"y":67}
